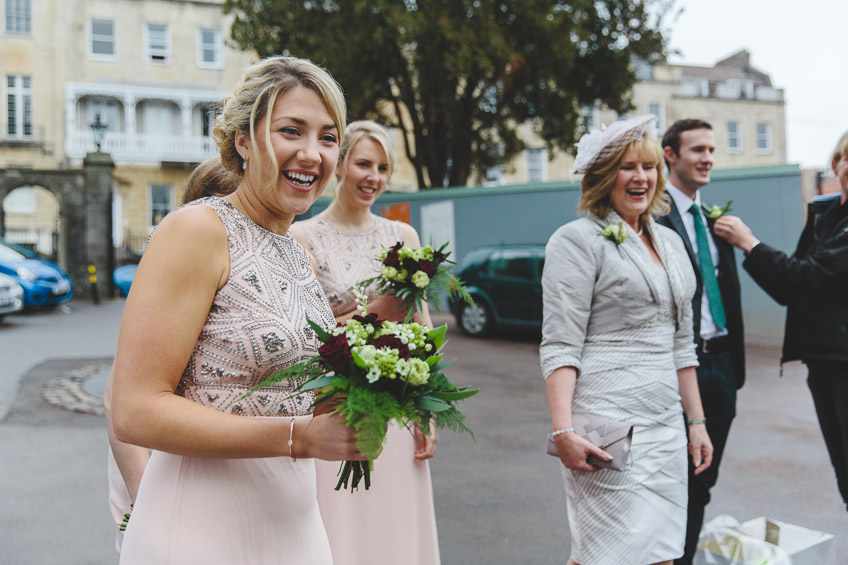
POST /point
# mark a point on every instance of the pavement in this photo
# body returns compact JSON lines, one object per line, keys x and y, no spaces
{"x":499,"y":500}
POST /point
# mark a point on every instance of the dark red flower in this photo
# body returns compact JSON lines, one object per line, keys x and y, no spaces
{"x":438,"y":256}
{"x":427,"y":266}
{"x":336,"y":352}
{"x":411,"y":265}
{"x":372,"y":319}
{"x":392,"y":259}
{"x":392,"y":342}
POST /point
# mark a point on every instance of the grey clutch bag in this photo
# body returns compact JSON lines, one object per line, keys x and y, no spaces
{"x":611,"y":436}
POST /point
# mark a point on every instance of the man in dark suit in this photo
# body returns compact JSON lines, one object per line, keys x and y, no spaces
{"x":688,"y":147}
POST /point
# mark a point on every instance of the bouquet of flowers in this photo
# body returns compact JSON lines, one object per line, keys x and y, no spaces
{"x":373,"y":371}
{"x":417,"y":275}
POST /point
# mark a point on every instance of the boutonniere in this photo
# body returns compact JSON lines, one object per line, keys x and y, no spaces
{"x":616,"y":233}
{"x":716,"y":212}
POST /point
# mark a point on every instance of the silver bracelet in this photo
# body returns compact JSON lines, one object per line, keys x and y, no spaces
{"x":693,"y":421}
{"x":559,"y":432}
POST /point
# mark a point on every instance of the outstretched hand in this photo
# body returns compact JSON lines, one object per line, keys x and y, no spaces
{"x":734,"y":230}
{"x":573,"y":451}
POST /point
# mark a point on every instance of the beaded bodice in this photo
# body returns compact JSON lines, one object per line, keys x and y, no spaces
{"x":257,"y":322}
{"x":344,"y":259}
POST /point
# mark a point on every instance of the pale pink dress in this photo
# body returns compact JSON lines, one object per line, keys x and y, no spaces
{"x":241,"y":511}
{"x":394,"y":522}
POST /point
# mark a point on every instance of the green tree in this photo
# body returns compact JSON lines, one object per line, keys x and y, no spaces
{"x":459,"y":76}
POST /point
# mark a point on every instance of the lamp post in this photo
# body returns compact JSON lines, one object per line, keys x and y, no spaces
{"x":98,"y":128}
{"x":99,"y":251}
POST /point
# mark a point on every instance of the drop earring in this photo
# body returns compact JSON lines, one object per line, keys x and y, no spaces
{"x":244,"y":165}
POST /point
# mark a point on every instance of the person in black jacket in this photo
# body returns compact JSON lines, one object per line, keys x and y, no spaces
{"x":813,"y":284}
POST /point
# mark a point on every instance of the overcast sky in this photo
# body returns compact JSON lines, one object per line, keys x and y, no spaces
{"x":801,"y":45}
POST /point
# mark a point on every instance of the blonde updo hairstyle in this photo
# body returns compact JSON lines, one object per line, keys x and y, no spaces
{"x":261,"y":85}
{"x":599,"y":181}
{"x":359,"y":130}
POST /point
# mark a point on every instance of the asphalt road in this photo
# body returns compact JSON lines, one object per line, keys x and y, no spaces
{"x":498,"y":501}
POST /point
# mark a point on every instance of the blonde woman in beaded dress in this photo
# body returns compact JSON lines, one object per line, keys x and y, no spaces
{"x":393,"y":522}
{"x":219,"y":302}
{"x":126,"y":462}
{"x":617,"y":343}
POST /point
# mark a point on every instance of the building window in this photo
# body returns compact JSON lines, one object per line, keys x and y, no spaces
{"x":763,"y":138}
{"x":734,"y":138}
{"x":109,"y":111}
{"x":103,"y":39}
{"x":656,"y":108}
{"x":158,"y":43}
{"x":694,"y":86}
{"x":18,"y":106}
{"x":210,"y":48}
{"x":536,"y":161}
{"x":161,"y":202}
{"x":18,"y":17}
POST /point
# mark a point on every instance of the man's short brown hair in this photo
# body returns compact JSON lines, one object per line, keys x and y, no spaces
{"x":672,"y":134}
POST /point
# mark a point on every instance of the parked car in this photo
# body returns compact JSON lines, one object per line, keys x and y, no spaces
{"x":123,"y":278}
{"x":44,"y":282}
{"x":11,"y":295}
{"x":506,"y":283}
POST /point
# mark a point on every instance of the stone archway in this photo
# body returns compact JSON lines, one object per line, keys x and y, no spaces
{"x":85,"y":216}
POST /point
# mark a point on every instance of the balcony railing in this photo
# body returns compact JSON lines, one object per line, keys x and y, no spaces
{"x":142,"y":148}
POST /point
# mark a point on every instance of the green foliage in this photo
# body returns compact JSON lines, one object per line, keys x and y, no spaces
{"x":360,"y":374}
{"x":468,"y":71}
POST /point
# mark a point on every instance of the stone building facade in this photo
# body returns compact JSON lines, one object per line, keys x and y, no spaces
{"x":154,"y":71}
{"x":746,"y":110}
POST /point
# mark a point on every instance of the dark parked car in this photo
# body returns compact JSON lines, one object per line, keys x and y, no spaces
{"x":506,"y":283}
{"x":44,"y":282}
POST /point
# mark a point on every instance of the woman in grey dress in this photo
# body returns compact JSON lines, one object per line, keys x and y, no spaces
{"x":617,"y":343}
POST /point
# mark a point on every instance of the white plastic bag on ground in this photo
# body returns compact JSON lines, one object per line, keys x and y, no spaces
{"x":761,"y":541}
{"x":722,"y":542}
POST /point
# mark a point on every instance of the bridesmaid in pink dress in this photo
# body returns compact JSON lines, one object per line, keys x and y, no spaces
{"x":393,"y":522}
{"x":219,"y":302}
{"x":126,"y":462}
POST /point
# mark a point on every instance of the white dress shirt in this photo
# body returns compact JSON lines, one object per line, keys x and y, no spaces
{"x":683,"y":203}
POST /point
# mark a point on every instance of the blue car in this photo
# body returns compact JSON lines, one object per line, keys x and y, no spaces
{"x":44,"y":282}
{"x":123,"y":278}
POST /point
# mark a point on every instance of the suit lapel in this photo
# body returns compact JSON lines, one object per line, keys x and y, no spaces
{"x":676,"y":223}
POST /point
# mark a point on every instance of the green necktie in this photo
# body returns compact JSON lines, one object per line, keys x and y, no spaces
{"x":708,"y":270}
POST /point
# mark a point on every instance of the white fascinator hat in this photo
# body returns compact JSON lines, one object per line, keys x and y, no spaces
{"x":600,"y":143}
